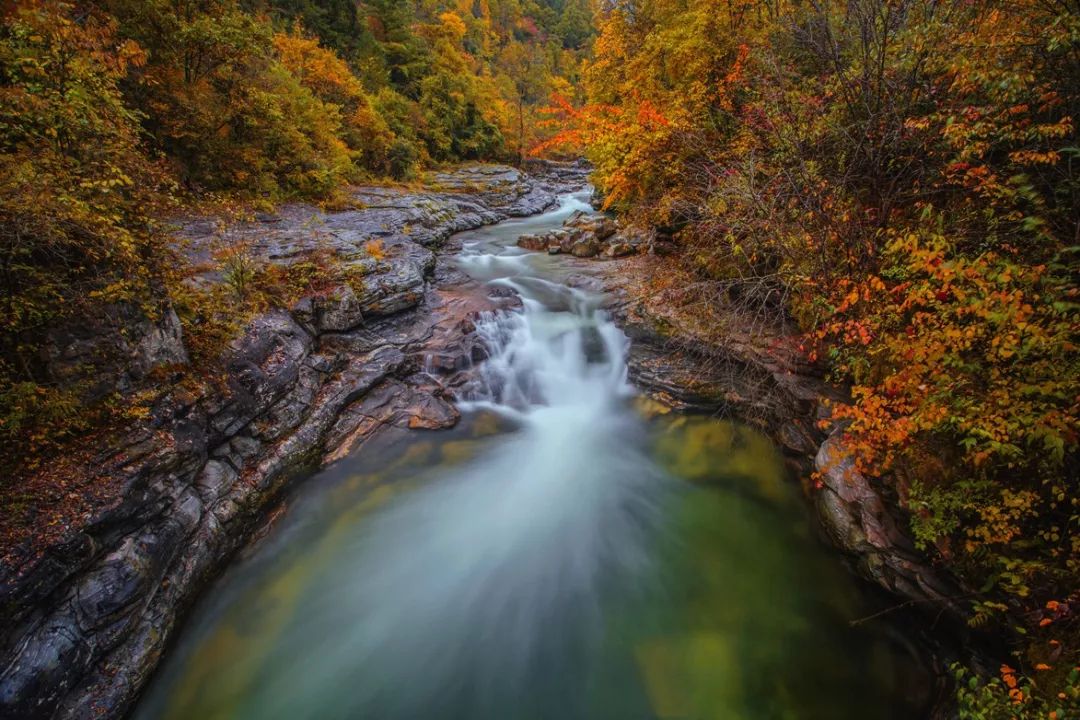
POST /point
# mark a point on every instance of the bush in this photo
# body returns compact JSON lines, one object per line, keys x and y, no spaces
{"x":403,"y":159}
{"x":1013,"y":697}
{"x":363,"y":130}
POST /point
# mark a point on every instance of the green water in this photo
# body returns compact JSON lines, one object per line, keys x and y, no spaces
{"x":741,"y":614}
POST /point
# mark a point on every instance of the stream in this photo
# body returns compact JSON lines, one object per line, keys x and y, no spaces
{"x":568,"y":550}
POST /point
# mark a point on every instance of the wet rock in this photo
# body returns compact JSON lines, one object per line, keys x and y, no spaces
{"x":859,"y":522}
{"x":429,"y":412}
{"x":536,"y":243}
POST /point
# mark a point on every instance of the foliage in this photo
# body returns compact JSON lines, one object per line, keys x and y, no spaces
{"x":1013,"y":697}
{"x":363,"y":129}
{"x":223,"y":108}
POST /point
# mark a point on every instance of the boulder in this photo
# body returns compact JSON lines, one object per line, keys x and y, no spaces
{"x":599,"y":227}
{"x":585,"y":248}
{"x":537,"y":243}
{"x":619,"y":249}
{"x":636,"y":237}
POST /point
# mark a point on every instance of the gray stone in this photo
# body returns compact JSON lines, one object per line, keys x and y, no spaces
{"x":338,"y":311}
{"x":163,"y":344}
{"x":215,"y":480}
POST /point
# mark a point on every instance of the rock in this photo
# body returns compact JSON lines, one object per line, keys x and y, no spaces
{"x":339,"y":310}
{"x":797,"y":437}
{"x":600,"y":227}
{"x":115,"y":350}
{"x":532,"y":242}
{"x":663,"y":248}
{"x":163,"y":344}
{"x":635,"y":237}
{"x":859,"y":522}
{"x":605,"y":229}
{"x":619,"y":249}
{"x":430,"y":413}
{"x":215,"y":480}
{"x":585,"y":248}
{"x":575,"y":217}
{"x":554,"y":249}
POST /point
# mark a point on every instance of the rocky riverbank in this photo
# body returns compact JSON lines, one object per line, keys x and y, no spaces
{"x":86,"y":615}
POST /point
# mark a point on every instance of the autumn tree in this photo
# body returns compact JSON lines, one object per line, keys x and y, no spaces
{"x":77,"y":195}
{"x":363,"y":129}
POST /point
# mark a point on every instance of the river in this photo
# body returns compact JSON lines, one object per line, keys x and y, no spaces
{"x":569,"y":550}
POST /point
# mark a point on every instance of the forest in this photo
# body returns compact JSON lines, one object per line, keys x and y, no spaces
{"x":895,"y":183}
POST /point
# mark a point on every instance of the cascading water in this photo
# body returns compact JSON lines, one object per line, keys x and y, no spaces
{"x":557,"y":569}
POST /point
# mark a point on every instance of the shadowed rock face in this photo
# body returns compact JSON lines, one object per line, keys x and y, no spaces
{"x":115,"y":351}
{"x":85,"y":621}
{"x":859,"y":522}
